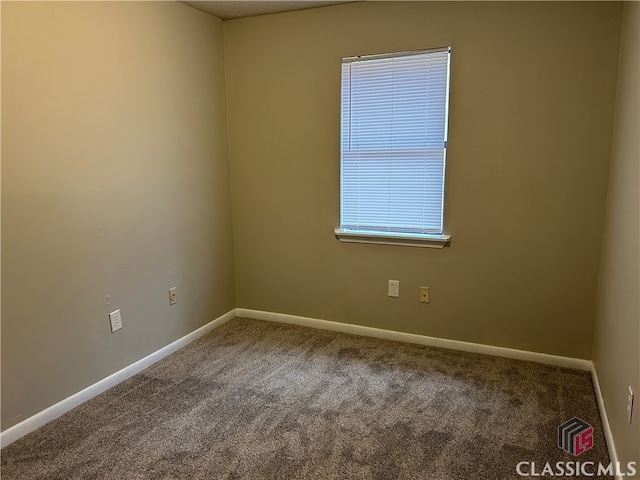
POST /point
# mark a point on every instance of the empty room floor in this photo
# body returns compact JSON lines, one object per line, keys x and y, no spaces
{"x":261,"y":400}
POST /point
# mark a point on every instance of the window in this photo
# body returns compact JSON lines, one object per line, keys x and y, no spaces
{"x":393,"y":148}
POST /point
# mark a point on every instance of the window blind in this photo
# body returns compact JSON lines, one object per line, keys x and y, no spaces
{"x":393,"y":142}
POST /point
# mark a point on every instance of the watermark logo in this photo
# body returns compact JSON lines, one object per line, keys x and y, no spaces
{"x":575,"y":469}
{"x":575,"y":436}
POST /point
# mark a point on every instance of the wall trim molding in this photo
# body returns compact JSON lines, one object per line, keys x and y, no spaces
{"x":567,"y":362}
{"x":606,"y":427}
{"x":30,"y":424}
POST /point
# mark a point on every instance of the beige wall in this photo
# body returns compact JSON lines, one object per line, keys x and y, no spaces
{"x":617,"y":339}
{"x":532,"y":89}
{"x":114,"y":183}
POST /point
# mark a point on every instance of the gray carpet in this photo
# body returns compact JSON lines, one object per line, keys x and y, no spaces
{"x":258,"y":400}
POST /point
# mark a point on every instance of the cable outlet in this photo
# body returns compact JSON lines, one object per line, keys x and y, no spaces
{"x":394,"y":288}
{"x":173,"y":296}
{"x":425,"y":295}
{"x":116,"y":320}
{"x":630,"y":404}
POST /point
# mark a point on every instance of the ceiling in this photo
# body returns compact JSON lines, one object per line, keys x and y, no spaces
{"x":230,"y":9}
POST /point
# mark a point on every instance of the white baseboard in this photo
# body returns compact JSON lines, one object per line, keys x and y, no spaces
{"x":19,"y":430}
{"x":567,"y":362}
{"x":32,"y":423}
{"x":611,"y":446}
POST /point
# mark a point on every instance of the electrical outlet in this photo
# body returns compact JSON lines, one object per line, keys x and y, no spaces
{"x":173,"y":296}
{"x":630,"y":404}
{"x":394,"y":288}
{"x":116,"y":320}
{"x":425,"y":295}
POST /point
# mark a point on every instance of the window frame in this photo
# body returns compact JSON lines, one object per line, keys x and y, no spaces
{"x":433,"y":240}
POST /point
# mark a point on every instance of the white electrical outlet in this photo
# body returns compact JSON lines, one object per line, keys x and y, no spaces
{"x":630,"y":405}
{"x":116,"y":320}
{"x":173,"y":296}
{"x":425,"y":295}
{"x":394,"y":288}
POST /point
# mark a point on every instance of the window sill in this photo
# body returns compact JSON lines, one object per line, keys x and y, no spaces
{"x":387,"y":238}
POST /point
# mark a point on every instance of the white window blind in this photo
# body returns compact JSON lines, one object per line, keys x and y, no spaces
{"x":393,"y":143}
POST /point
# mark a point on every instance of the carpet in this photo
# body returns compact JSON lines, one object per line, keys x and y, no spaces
{"x":259,"y":400}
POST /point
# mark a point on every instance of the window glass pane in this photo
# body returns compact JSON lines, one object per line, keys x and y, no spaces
{"x":394,"y":114}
